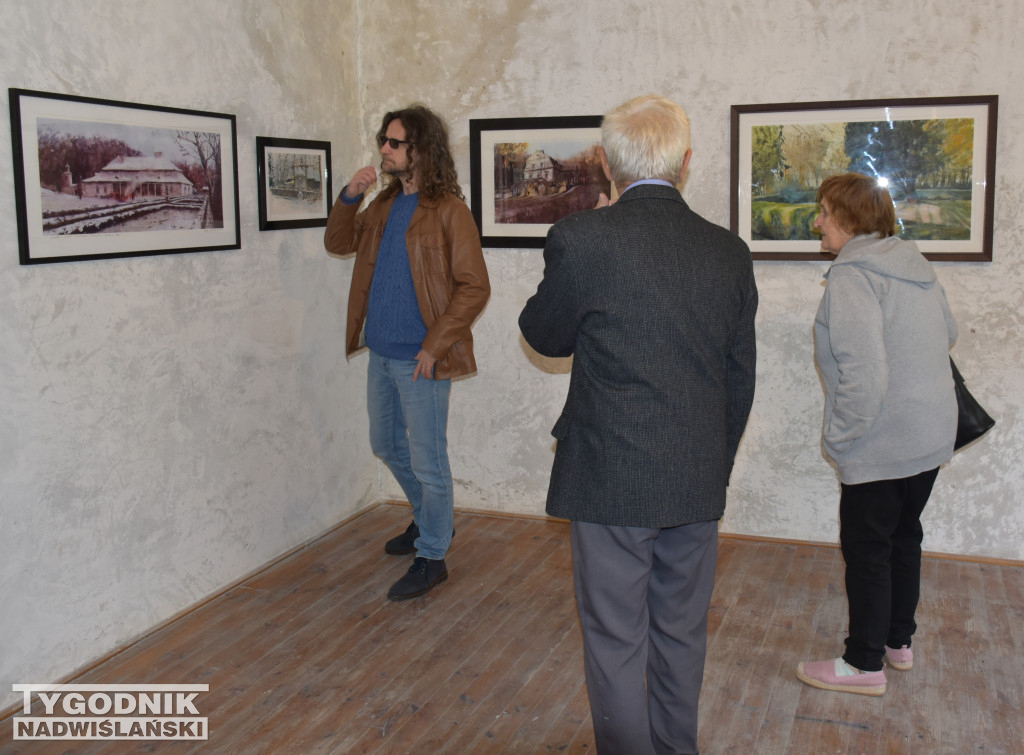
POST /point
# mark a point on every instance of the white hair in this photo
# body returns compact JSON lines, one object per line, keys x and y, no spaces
{"x":646,"y":137}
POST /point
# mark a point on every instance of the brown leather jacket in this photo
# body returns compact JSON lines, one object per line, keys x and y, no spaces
{"x":448,"y":273}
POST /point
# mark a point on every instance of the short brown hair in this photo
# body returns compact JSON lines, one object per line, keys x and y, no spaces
{"x":859,"y":204}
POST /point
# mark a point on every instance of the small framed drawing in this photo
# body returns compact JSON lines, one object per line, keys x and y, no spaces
{"x":95,"y":179}
{"x":936,"y":156}
{"x":526,"y":173}
{"x":294,"y":182}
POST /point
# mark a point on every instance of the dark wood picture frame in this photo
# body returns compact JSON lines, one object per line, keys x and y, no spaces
{"x":937,"y":155}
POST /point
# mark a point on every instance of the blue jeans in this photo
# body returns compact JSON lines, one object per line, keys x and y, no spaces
{"x":409,"y":432}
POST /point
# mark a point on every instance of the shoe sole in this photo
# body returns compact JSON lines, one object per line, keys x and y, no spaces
{"x":424,"y":591}
{"x":875,"y":691}
{"x":905,"y":666}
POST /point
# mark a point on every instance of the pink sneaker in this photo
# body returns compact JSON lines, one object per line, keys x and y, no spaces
{"x":828,"y":675}
{"x":902,"y":659}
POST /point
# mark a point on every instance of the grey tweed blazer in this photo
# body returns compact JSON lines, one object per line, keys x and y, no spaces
{"x":657,"y":306}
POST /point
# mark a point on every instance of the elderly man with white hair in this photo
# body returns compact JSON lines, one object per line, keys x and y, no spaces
{"x":657,"y":306}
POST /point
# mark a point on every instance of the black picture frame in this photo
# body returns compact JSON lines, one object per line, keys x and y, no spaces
{"x":294,"y":183}
{"x":938,"y":155}
{"x":499,"y":183}
{"x":117,"y":194}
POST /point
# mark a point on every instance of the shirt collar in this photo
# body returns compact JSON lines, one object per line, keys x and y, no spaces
{"x":649,"y":181}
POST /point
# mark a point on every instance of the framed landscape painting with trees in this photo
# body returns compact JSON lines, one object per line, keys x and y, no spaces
{"x":294,"y":189}
{"x":526,"y":173}
{"x":95,"y":179}
{"x":936,"y":156}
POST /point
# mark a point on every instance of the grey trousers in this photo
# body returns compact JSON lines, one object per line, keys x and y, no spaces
{"x":643,"y":596}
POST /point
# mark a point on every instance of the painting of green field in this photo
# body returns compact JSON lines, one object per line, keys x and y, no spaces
{"x":781,"y":221}
{"x":927,"y":166}
{"x":939,"y":217}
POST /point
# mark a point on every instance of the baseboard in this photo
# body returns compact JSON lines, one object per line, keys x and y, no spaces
{"x":926,"y":554}
{"x":751,"y":538}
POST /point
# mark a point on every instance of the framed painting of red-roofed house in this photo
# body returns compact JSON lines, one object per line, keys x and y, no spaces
{"x":96,"y":179}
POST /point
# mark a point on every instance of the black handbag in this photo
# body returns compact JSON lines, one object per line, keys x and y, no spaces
{"x":972,"y":420}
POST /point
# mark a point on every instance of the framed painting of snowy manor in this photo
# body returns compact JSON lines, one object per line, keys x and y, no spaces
{"x":936,"y":156}
{"x":294,"y":182}
{"x":96,"y":179}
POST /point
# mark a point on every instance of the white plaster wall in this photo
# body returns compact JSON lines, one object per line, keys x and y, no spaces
{"x":546,"y":58}
{"x":171,"y":423}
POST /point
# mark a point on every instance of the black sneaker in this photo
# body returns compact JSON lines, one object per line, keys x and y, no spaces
{"x":404,"y":543}
{"x":423,"y":575}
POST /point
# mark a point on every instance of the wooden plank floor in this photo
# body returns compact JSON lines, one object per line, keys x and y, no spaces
{"x":310,"y":657}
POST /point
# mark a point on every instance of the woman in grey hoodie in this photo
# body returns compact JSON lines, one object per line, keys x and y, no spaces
{"x":882,"y":337}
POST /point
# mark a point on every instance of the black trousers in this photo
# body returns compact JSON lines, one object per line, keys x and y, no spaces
{"x":880,"y":533}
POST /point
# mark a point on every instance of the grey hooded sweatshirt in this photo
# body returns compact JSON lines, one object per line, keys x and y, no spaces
{"x":881,"y":340}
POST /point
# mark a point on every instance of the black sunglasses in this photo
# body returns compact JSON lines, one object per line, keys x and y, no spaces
{"x":393,"y":143}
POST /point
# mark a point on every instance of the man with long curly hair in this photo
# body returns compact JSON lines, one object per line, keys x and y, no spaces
{"x":418,"y":284}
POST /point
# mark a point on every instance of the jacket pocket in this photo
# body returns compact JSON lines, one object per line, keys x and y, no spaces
{"x":561,"y":428}
{"x":435,"y":273}
{"x":431,"y":246}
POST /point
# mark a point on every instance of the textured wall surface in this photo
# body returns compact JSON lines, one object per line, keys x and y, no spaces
{"x":546,"y":58}
{"x":171,"y":423}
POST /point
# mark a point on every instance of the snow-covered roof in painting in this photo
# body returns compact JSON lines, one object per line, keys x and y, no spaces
{"x":156,"y":169}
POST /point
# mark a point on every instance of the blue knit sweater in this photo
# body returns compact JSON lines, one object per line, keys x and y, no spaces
{"x":394,"y":325}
